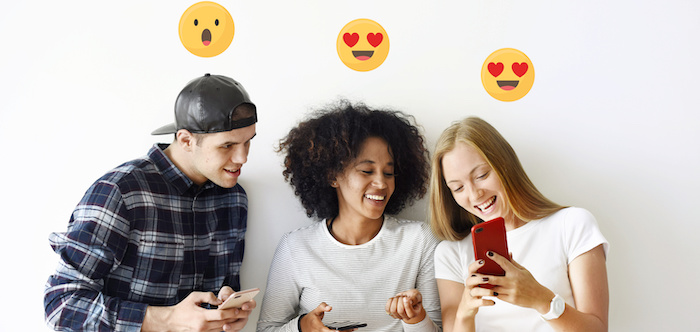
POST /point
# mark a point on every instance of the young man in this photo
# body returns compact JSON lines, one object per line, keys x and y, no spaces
{"x":153,"y":240}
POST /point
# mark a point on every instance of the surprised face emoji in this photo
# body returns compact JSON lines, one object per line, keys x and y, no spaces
{"x":206,"y":29}
{"x":362,"y":45}
{"x":507,"y":74}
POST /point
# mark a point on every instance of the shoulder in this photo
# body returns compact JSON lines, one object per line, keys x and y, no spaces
{"x":303,"y":234}
{"x":574,"y":217}
{"x":414,"y":228}
{"x":130,"y":172}
{"x":453,"y":248}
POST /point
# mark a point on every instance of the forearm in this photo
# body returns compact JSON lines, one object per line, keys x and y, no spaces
{"x":462,"y":323}
{"x":77,"y":306}
{"x":574,"y":320}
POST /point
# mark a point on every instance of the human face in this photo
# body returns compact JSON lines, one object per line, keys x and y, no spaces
{"x":365,"y":186}
{"x":218,"y":157}
{"x":473,"y":183}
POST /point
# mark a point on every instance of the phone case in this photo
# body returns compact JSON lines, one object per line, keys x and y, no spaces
{"x":490,"y":236}
{"x":346,"y":325}
{"x":238,"y":298}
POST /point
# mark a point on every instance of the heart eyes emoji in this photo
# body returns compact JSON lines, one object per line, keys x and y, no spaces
{"x":496,"y":69}
{"x":374,"y":39}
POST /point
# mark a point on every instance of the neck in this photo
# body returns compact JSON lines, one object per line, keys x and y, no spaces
{"x":354,"y":232}
{"x":177,"y":155}
{"x":512,"y":222}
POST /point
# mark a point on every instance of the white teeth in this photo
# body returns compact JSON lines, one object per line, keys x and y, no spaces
{"x":375,"y":197}
{"x":487,"y":204}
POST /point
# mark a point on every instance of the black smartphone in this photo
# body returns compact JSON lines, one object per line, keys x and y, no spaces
{"x":346,"y":325}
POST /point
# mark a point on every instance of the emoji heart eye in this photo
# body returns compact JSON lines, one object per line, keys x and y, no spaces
{"x":375,"y":39}
{"x":519,"y":68}
{"x":495,"y":68}
{"x":351,"y":39}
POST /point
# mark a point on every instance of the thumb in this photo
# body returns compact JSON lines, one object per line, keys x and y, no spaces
{"x":321,"y":309}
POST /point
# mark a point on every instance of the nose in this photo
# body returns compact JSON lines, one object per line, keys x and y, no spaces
{"x":475,"y":193}
{"x":379,"y":181}
{"x":240,"y":155}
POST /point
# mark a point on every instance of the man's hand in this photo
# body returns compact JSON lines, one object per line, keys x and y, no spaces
{"x":188,"y":315}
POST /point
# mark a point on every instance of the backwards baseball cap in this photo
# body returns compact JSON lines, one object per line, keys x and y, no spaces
{"x":208,"y":105}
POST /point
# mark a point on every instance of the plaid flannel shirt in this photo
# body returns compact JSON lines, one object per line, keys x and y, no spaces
{"x":143,"y":234}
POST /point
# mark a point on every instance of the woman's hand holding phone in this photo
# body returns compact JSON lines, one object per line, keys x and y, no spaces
{"x":518,"y":286}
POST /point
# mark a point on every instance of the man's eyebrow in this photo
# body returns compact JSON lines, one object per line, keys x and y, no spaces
{"x":232,"y":142}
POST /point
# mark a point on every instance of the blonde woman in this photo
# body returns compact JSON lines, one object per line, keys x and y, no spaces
{"x":556,"y":277}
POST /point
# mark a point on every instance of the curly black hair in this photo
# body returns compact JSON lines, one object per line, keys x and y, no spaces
{"x":320,"y":148}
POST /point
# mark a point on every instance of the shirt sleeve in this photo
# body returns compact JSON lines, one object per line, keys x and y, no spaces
{"x":426,"y":284}
{"x":93,"y":245}
{"x":280,"y":308}
{"x":448,"y":262}
{"x":582,"y":233}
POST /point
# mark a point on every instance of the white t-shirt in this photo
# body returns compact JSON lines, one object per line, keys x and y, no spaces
{"x":310,"y":266}
{"x":544,"y":247}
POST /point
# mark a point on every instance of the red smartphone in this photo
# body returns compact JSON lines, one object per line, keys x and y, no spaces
{"x":490,"y":236}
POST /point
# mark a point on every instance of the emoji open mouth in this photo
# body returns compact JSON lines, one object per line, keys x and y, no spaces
{"x":362,"y":55}
{"x":507,"y":85}
{"x":206,"y":37}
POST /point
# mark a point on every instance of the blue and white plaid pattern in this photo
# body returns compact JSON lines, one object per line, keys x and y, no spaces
{"x":143,"y":234}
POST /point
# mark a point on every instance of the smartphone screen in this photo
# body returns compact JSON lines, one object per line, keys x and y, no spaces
{"x":490,"y":236}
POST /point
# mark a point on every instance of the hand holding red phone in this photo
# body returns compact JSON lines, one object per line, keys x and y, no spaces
{"x":517,"y":286}
{"x":490,"y":236}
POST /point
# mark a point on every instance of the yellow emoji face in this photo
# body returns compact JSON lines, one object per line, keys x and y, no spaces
{"x":206,"y":29}
{"x":507,"y":74}
{"x":363,"y":45}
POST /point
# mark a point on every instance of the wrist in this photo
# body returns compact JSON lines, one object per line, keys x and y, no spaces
{"x":299,"y":322}
{"x":155,"y":319}
{"x":556,"y":308}
{"x":466,"y":317}
{"x":543,"y":304}
{"x":419,"y":318}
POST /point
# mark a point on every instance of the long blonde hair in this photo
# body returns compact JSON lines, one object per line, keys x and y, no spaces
{"x":448,"y":220}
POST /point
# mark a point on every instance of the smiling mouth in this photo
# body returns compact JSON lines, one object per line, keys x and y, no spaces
{"x":486,"y":205}
{"x":507,"y":85}
{"x":362,"y":55}
{"x":235,"y":173}
{"x":206,"y":37}
{"x":375,"y":197}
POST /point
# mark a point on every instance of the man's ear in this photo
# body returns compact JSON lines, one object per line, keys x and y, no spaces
{"x":185,"y":139}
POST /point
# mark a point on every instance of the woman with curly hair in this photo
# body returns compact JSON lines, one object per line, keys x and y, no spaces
{"x":352,"y":167}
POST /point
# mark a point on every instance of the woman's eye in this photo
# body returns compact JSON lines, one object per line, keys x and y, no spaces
{"x":458,"y":189}
{"x":483,"y":176}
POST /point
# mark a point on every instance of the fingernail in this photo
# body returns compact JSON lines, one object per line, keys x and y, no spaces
{"x":485,"y":279}
{"x":490,"y":253}
{"x":495,"y":293}
{"x":473,"y":275}
{"x":481,"y":262}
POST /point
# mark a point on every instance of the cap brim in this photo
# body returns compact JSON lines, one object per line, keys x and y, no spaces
{"x":167,"y":129}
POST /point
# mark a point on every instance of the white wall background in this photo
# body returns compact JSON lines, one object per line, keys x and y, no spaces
{"x":610,"y":123}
